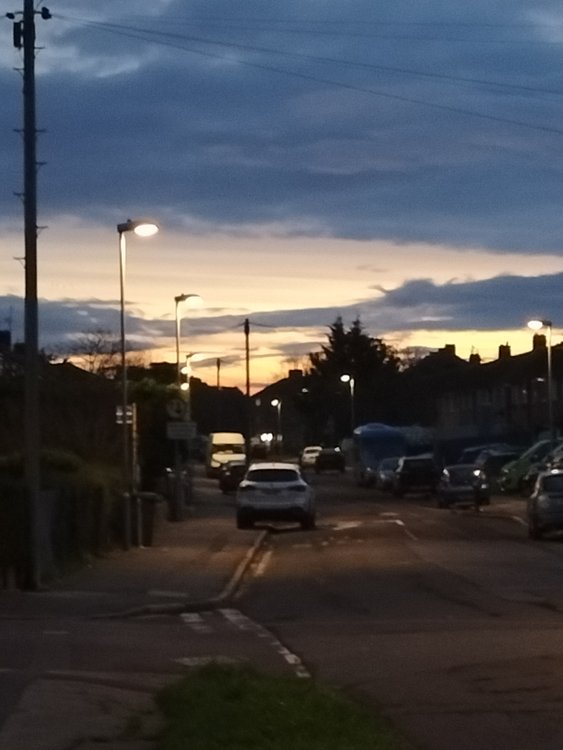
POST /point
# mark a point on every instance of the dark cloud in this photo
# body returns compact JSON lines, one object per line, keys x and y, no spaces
{"x":446,"y":128}
{"x":501,"y":303}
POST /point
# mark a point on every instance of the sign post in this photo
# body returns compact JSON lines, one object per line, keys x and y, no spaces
{"x":176,"y":430}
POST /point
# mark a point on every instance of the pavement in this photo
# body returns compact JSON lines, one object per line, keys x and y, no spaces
{"x":192,"y":565}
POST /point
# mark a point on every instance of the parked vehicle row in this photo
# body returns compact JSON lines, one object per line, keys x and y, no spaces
{"x":278,"y":491}
{"x":451,"y":484}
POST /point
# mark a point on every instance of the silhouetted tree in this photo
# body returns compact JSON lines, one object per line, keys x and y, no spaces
{"x":96,"y":351}
{"x":372,"y":363}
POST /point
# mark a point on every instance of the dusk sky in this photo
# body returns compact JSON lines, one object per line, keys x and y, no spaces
{"x":401,"y":162}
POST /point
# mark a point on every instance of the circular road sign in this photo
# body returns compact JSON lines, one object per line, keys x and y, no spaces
{"x":176,"y":408}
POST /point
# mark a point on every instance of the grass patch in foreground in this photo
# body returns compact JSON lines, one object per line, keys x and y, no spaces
{"x":237,"y":708}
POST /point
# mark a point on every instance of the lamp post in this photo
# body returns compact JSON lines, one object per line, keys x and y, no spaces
{"x":179,"y":495}
{"x":177,"y":300}
{"x":276,"y":402}
{"x":351,"y":383}
{"x":537,"y":325}
{"x":141,"y":228}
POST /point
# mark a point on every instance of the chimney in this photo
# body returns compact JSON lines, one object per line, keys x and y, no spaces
{"x":449,"y":349}
{"x":474,"y":358}
{"x":295,"y":374}
{"x":504,"y":351}
{"x":538,"y":341}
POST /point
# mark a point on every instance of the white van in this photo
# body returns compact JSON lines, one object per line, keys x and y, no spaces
{"x":223,"y":447}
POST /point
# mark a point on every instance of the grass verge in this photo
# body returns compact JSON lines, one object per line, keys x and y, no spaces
{"x":237,"y":708}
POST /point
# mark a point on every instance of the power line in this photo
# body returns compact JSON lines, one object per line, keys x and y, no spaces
{"x":304,"y":25}
{"x":147,"y":34}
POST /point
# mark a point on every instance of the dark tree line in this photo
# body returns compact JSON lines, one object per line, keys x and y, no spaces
{"x":387,"y":388}
{"x":325,"y":400}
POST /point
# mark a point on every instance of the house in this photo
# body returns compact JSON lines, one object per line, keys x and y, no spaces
{"x":506,"y":399}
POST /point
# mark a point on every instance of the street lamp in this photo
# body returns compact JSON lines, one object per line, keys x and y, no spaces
{"x":276,"y":402}
{"x":141,"y":228}
{"x":177,"y":300}
{"x":351,"y":383}
{"x":537,"y":325}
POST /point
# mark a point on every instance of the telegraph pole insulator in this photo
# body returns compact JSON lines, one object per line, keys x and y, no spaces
{"x":45,"y":14}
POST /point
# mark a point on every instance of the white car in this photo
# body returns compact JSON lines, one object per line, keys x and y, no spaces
{"x":275,"y":492}
{"x":309,"y":455}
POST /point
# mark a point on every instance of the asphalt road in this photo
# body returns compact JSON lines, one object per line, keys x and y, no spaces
{"x":451,"y":621}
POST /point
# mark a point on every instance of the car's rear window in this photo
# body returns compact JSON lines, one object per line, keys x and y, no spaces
{"x":273,"y":475}
{"x":553,"y":483}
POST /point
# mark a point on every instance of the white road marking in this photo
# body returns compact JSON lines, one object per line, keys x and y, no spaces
{"x":195,"y":621}
{"x":407,"y":532}
{"x":243,"y":622}
{"x":519,"y":520}
{"x":263,"y":564}
{"x":343,"y":525}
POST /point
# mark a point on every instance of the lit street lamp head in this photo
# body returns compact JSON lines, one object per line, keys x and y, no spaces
{"x":345,"y":378}
{"x":537,"y":325}
{"x":141,"y":227}
{"x":196,"y":299}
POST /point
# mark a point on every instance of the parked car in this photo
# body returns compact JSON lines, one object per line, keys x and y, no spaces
{"x":553,"y":460}
{"x":490,"y":462}
{"x":275,"y":491}
{"x":415,"y":474}
{"x":385,"y":473}
{"x":330,"y":459}
{"x":309,"y":455}
{"x":462,"y":483}
{"x":230,"y":475}
{"x":472,"y":453}
{"x":512,"y":474}
{"x":545,"y":504}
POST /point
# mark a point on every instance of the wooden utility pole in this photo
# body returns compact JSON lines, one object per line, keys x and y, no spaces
{"x":24,"y":38}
